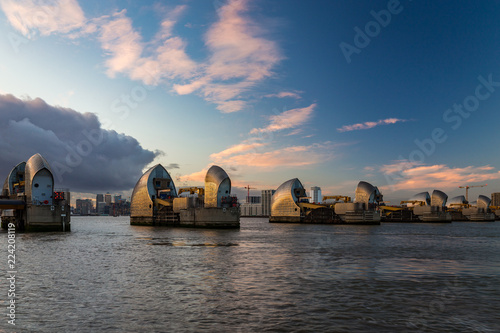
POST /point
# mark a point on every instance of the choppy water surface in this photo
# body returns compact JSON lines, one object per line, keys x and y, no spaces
{"x":108,"y":276}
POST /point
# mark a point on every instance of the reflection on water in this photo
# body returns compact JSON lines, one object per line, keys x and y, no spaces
{"x":108,"y":276}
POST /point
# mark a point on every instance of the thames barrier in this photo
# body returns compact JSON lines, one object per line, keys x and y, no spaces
{"x":155,"y":201}
{"x":30,"y":201}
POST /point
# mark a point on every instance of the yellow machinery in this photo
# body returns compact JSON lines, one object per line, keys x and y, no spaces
{"x":337,"y":197}
{"x":390,"y":208}
{"x":459,"y":206}
{"x":386,"y":211}
{"x":19,"y":187}
{"x":310,"y":205}
{"x":414,"y":202}
{"x":163,"y":202}
{"x":192,"y":190}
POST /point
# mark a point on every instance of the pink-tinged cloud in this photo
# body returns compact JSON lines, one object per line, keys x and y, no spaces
{"x":295,"y":132}
{"x":195,"y":177}
{"x":120,"y":42}
{"x":31,"y":17}
{"x":369,"y":124}
{"x":250,"y":156}
{"x":236,"y":149}
{"x":239,"y":58}
{"x":289,"y":119}
{"x":169,"y":58}
{"x":165,"y":57}
{"x":287,"y":157}
{"x":238,"y":50}
{"x":403,"y":175}
{"x":284,"y":94}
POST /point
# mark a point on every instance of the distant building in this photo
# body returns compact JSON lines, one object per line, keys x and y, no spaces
{"x":266,"y":201}
{"x":100,"y":207}
{"x":98,"y":200}
{"x":316,"y":196}
{"x":251,"y":209}
{"x":495,"y":199}
{"x":84,"y":206}
{"x":118,"y":199}
{"x":107,"y":199}
{"x":253,"y":199}
{"x":29,"y":200}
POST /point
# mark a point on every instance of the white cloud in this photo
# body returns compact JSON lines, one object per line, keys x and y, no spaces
{"x":120,"y":42}
{"x":369,"y":124}
{"x":284,"y":94}
{"x":239,"y":56}
{"x":31,"y":17}
{"x":288,"y":119}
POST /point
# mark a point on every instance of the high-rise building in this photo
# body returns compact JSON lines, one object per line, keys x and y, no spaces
{"x":316,"y":196}
{"x":98,"y":200}
{"x":101,"y":207}
{"x":118,"y":199}
{"x":254,"y":199}
{"x":495,"y":199}
{"x":84,"y":206}
{"x":107,"y":199}
{"x":266,"y":201}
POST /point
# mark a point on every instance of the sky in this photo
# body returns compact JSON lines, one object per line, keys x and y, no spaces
{"x":402,"y":94}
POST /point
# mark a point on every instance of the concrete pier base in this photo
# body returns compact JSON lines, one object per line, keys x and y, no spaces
{"x":212,"y":217}
{"x":194,"y":218}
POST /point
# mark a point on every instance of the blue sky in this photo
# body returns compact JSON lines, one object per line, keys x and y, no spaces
{"x":331,"y":92}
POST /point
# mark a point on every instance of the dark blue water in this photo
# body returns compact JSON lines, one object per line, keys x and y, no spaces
{"x":108,"y":276}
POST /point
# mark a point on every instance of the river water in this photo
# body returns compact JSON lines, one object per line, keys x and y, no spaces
{"x":108,"y":276}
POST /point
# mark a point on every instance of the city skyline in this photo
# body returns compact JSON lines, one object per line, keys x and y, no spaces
{"x":400,"y":94}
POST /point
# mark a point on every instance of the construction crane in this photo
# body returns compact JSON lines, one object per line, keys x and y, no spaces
{"x":467,"y":187}
{"x":248,"y":188}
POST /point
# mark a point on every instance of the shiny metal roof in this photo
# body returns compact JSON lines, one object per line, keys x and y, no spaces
{"x":284,"y":200}
{"x":483,"y":202}
{"x":217,"y":186}
{"x":12,"y":177}
{"x":35,"y":164}
{"x":141,"y":202}
{"x":215,"y":175}
{"x":458,"y":200}
{"x":422,"y":196}
{"x":439,"y":198}
{"x":367,"y":193}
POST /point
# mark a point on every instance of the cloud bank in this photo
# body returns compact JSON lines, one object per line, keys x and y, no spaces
{"x":83,"y":156}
